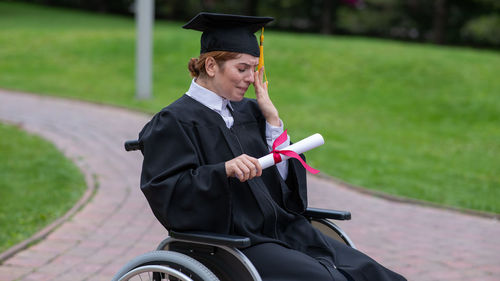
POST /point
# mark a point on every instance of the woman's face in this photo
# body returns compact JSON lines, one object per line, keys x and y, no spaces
{"x":232,"y":80}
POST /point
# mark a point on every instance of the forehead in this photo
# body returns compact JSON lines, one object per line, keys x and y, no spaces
{"x":245,"y":59}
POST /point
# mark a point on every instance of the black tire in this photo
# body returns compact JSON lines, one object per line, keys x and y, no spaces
{"x":165,"y":262}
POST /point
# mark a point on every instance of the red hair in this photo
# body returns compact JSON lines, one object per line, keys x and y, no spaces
{"x":196,"y":66}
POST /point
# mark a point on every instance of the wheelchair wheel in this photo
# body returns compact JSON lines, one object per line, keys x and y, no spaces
{"x":164,"y":265}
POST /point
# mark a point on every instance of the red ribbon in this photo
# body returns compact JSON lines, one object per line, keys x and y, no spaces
{"x":277,"y":157}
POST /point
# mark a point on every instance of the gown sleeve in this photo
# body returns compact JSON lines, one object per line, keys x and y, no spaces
{"x":183,"y":194}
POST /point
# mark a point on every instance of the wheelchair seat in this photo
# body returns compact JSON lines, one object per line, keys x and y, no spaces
{"x":204,"y":256}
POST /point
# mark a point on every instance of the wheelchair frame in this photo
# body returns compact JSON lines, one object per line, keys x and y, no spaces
{"x":203,"y":256}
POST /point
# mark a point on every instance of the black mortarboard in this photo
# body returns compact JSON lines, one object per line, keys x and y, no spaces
{"x":233,"y":33}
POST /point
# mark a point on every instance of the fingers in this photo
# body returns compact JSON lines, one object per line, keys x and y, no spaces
{"x":260,"y":86}
{"x":255,"y":166}
{"x":257,"y":84}
{"x":243,"y":167}
{"x":263,"y":100}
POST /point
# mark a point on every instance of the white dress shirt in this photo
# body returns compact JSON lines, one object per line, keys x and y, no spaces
{"x":220,"y":105}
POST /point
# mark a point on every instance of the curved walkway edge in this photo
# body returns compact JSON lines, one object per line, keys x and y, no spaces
{"x":38,"y":236}
{"x":95,"y":239}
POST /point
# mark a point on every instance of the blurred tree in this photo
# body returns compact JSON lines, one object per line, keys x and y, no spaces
{"x":208,"y":5}
{"x":482,"y":26}
{"x":439,"y":21}
{"x":474,"y":22}
{"x":373,"y":17}
{"x":329,"y":16}
{"x":251,"y":7}
{"x":109,"y":6}
{"x":326,"y":17}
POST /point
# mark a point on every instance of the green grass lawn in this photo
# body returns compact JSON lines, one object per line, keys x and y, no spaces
{"x":37,"y":185}
{"x":417,"y":121}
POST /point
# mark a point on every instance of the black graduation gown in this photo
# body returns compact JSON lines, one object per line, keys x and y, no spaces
{"x":185,"y":147}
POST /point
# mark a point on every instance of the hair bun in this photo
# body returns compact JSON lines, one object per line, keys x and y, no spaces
{"x":192,"y":67}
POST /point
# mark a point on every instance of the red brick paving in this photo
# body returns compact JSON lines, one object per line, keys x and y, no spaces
{"x":422,"y":243}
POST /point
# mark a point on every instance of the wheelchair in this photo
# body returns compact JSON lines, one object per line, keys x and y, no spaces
{"x":202,"y":256}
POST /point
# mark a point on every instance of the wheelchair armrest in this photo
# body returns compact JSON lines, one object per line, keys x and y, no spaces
{"x":131,"y":145}
{"x":212,"y":238}
{"x":327,"y":214}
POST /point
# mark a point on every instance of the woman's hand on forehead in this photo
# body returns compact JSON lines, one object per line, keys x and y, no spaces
{"x":265,"y":104}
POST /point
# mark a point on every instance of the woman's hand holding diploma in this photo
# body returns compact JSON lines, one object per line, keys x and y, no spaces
{"x":243,"y":167}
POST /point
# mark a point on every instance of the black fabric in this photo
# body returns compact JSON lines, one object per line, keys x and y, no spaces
{"x":277,"y":263}
{"x":183,"y":178}
{"x":223,"y":32}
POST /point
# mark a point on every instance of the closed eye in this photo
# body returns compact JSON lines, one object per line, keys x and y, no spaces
{"x":242,"y":67}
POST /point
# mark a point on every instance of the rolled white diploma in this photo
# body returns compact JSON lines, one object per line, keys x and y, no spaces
{"x":298,"y":147}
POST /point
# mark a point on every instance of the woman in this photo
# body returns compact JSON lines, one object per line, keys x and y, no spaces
{"x":200,"y":169}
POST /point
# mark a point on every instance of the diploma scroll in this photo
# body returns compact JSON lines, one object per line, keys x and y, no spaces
{"x":298,"y":147}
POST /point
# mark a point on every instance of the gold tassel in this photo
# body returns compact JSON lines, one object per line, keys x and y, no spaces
{"x":261,"y":57}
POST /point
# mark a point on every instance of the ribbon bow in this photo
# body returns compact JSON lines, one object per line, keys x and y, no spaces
{"x":292,"y":154}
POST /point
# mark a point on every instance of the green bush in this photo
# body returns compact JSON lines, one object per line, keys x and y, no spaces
{"x":381,"y":17}
{"x":364,"y":21}
{"x":483,"y":30}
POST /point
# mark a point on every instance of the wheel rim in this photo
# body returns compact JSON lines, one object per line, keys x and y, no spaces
{"x":146,"y":273}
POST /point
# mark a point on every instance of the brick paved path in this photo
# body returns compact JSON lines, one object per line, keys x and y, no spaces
{"x":422,"y":243}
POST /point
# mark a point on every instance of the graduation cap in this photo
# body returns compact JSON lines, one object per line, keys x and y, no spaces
{"x":224,"y":32}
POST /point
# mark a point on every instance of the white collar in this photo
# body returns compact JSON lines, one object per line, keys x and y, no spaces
{"x":207,"y":97}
